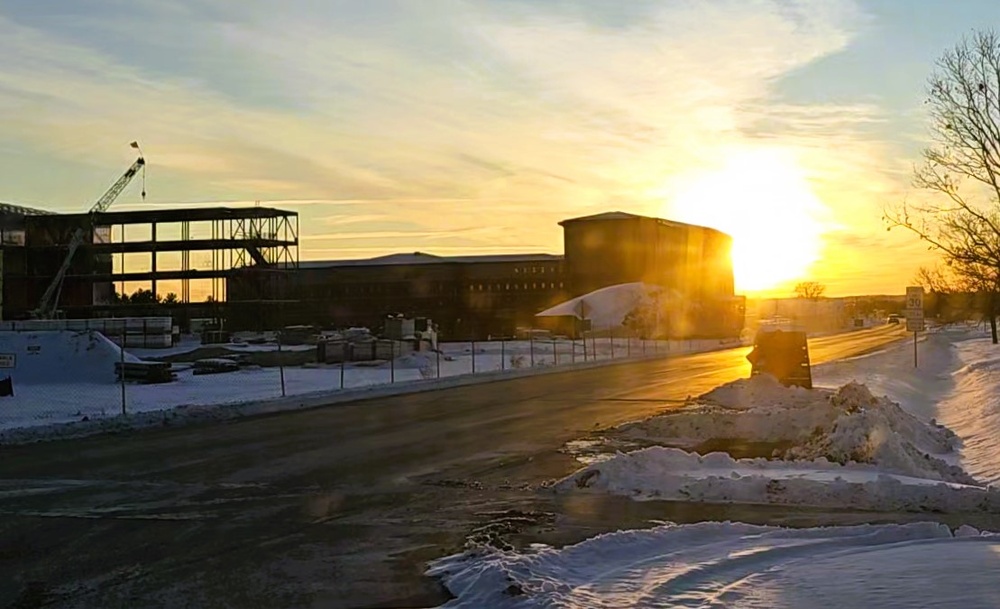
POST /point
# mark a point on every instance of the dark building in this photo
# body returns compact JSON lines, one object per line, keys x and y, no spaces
{"x":693,"y":264}
{"x":257,"y":281}
{"x":616,"y":247}
{"x":467,"y":296}
{"x":35,"y":245}
{"x":480,"y":296}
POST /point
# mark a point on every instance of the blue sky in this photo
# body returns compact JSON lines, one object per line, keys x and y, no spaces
{"x":456,"y":126}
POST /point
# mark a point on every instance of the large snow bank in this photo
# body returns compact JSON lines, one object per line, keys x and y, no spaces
{"x":973,"y":407}
{"x":673,"y":474}
{"x":737,"y":565}
{"x":843,"y":449}
{"x":890,"y":371}
{"x":60,"y":356}
{"x":843,"y":426}
{"x":956,"y":383}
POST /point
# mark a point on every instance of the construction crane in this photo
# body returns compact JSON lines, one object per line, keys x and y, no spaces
{"x":48,"y":306}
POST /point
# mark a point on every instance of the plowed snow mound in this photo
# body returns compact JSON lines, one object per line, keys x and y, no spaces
{"x":849,"y":425}
{"x":757,"y":391}
{"x":60,"y":356}
{"x":675,"y":475}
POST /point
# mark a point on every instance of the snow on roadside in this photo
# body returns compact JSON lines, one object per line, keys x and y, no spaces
{"x":673,"y":474}
{"x":843,"y":449}
{"x":973,"y":407}
{"x":850,"y":425}
{"x":956,"y":384}
{"x":736,"y":565}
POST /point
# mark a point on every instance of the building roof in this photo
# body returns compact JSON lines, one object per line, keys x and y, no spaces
{"x":608,"y":215}
{"x":424,"y":258}
{"x":621,"y":215}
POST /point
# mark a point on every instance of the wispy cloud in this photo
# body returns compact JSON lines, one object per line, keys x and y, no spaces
{"x":443,"y":114}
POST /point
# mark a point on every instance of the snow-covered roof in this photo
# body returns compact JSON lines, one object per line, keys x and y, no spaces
{"x":425,"y":258}
{"x":606,"y":307}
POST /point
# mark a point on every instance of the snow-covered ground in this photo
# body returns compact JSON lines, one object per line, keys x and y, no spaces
{"x":956,"y":384}
{"x":839,"y":447}
{"x":737,"y":565}
{"x":843,"y":449}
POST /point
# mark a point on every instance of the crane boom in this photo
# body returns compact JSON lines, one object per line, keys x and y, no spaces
{"x":50,"y":299}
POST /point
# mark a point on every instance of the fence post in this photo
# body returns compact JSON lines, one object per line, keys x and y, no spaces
{"x":584,"y":346}
{"x":531,"y":348}
{"x":555,"y":353}
{"x":643,"y":347}
{"x":503,"y":354}
{"x":572,"y":352}
{"x":343,"y":362}
{"x":281,"y":367}
{"x":121,"y":372}
{"x":392,"y":362}
{"x":612,"y":343}
{"x":473,"y":357}
{"x":628,"y":346}
{"x":438,"y":353}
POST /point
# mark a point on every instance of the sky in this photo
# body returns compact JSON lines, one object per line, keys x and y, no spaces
{"x":475,"y":126}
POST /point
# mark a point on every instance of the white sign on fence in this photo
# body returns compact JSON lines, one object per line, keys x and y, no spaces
{"x":7,"y":360}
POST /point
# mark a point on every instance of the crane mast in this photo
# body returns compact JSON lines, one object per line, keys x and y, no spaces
{"x":50,"y":299}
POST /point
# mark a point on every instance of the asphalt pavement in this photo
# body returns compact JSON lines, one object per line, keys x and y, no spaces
{"x":333,"y":507}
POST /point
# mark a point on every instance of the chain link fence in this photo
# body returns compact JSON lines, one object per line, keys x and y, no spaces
{"x":61,"y":377}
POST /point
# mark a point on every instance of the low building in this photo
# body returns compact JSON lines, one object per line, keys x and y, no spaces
{"x":466,"y":296}
{"x":475,"y":297}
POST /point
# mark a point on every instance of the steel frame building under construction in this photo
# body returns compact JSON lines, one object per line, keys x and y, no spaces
{"x":253,"y":247}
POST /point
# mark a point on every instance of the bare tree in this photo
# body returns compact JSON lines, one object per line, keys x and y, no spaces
{"x":813,"y":290}
{"x":962,"y":168}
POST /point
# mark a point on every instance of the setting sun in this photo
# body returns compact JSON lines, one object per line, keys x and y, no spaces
{"x":763,"y":199}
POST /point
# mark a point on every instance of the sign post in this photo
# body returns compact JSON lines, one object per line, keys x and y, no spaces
{"x":914,"y":315}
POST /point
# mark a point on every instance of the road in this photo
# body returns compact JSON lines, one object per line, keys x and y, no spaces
{"x":334,"y":507}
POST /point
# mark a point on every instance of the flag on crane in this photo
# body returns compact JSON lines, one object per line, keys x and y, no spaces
{"x":135,"y":145}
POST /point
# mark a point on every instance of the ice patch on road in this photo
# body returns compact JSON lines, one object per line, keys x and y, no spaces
{"x":736,"y":565}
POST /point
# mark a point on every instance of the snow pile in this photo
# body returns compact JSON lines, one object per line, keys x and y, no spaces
{"x":878,"y":431}
{"x":832,"y":449}
{"x":736,"y":565}
{"x":759,"y":390}
{"x":60,"y":357}
{"x":850,"y":425}
{"x":891,"y":371}
{"x":675,"y":475}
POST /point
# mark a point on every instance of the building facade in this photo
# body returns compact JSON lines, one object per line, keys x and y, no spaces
{"x":467,"y":296}
{"x":226,"y":242}
{"x":483,"y":296}
{"x":692,"y":263}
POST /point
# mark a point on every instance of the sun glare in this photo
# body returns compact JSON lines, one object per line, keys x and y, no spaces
{"x":763,"y":199}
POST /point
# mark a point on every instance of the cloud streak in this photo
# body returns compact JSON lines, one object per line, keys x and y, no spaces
{"x":440,"y":115}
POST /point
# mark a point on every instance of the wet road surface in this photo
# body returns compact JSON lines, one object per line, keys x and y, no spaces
{"x":335,"y":507}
